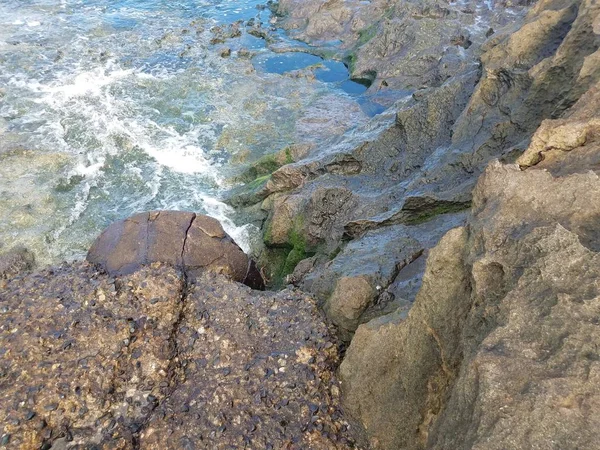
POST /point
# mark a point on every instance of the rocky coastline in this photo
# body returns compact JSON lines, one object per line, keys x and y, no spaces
{"x":433,"y":272}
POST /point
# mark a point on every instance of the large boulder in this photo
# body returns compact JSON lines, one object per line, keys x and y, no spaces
{"x":193,"y":242}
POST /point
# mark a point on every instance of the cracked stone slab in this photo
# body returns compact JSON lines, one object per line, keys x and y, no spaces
{"x":192,"y":242}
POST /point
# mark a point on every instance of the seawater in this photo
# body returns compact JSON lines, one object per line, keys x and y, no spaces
{"x":108,"y":108}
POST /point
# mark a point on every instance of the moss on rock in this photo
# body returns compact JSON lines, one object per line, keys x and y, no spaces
{"x":266,"y":165}
{"x":436,"y":210}
{"x":280,"y":261}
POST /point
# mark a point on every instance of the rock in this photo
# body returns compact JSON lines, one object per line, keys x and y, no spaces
{"x":257,"y":30}
{"x":562,"y":135}
{"x":406,"y":44}
{"x":372,"y":381}
{"x":388,"y":260}
{"x":186,"y":240}
{"x":351,"y":297}
{"x":322,"y":119}
{"x":499,"y":349}
{"x":355,"y":179}
{"x":60,"y":444}
{"x":222,"y":33}
{"x":157,"y":360}
{"x":16,"y":261}
{"x":420,"y":160}
{"x":245,"y":53}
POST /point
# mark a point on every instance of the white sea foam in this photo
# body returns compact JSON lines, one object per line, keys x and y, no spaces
{"x":88,"y":98}
{"x":89,"y":94}
{"x":179,"y":152}
{"x":243,"y":236}
{"x":85,"y":83}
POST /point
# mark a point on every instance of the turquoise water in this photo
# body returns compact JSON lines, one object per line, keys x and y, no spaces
{"x":108,"y":108}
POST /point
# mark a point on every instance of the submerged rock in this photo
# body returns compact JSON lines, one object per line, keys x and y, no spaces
{"x":190,"y":241}
{"x":17,"y":260}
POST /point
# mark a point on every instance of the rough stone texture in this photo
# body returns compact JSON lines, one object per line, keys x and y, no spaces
{"x":351,"y":297}
{"x":389,"y":260}
{"x":382,"y":372}
{"x":156,"y":360}
{"x":16,"y":261}
{"x":190,"y":241}
{"x":500,"y":349}
{"x":421,"y":159}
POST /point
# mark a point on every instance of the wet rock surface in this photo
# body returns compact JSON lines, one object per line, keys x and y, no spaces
{"x":16,"y":261}
{"x":399,"y":45}
{"x":193,"y":242}
{"x":500,"y":347}
{"x":374,"y":262}
{"x":148,"y":360}
{"x":414,"y":167}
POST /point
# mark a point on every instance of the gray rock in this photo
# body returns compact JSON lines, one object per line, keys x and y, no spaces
{"x":421,"y":159}
{"x":400,"y":44}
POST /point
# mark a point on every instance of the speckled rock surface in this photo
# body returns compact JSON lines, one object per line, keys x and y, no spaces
{"x":148,"y":360}
{"x":15,"y":261}
{"x":192,"y":242}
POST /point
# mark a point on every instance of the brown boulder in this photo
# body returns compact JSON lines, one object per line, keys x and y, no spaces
{"x":351,"y":297}
{"x":187,"y":240}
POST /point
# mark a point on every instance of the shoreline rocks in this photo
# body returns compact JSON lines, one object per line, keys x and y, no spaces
{"x":500,"y":347}
{"x":455,"y":247}
{"x":399,"y":44}
{"x":414,"y":167}
{"x":192,"y":242}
